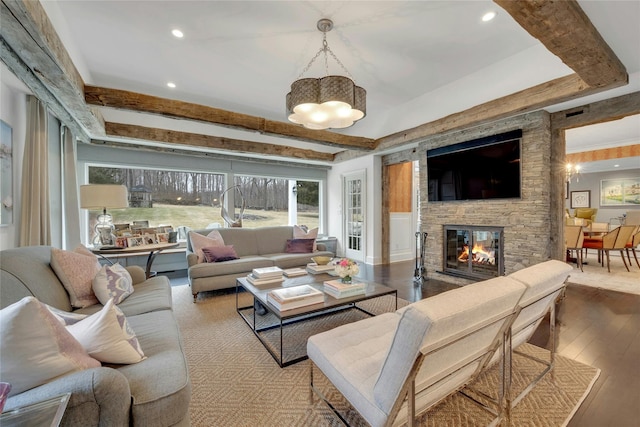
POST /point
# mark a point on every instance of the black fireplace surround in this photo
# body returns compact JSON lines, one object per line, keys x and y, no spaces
{"x":472,"y":251}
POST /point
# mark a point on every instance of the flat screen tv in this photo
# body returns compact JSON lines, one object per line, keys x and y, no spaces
{"x":486,"y":168}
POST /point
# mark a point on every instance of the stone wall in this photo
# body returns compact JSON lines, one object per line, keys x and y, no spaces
{"x":526,"y":221}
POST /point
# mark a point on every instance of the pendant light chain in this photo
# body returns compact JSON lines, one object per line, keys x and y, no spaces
{"x":324,"y":49}
{"x":329,"y":102}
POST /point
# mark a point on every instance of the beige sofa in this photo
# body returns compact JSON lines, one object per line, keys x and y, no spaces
{"x":256,"y":248}
{"x":153,"y":392}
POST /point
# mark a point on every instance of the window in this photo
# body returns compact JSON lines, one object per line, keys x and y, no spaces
{"x":193,"y":199}
{"x":164,"y":197}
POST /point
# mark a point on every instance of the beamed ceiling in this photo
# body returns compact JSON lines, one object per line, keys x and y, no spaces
{"x":429,"y":67}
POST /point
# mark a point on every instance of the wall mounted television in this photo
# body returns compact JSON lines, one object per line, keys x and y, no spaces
{"x":485,"y":168}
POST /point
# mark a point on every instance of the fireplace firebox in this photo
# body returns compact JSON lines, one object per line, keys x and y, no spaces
{"x":473,"y":251}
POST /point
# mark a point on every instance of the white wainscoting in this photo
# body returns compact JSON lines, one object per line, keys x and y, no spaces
{"x":402,"y":239}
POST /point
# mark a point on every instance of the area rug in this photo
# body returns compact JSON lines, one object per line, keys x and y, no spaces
{"x":236,"y":382}
{"x":619,"y":279}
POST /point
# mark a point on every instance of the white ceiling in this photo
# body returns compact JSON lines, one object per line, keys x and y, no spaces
{"x":418,"y":60}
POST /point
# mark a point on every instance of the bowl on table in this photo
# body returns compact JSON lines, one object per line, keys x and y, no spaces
{"x":321,"y":260}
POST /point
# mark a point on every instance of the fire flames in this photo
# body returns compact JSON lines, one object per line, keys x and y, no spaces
{"x":481,"y":255}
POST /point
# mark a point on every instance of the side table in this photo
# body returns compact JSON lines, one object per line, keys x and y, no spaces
{"x":46,"y":413}
{"x":153,"y":250}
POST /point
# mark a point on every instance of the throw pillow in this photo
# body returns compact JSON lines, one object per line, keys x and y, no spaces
{"x":198,"y":241}
{"x":66,"y":318}
{"x":299,"y":246}
{"x":219,"y":253}
{"x":107,"y":336}
{"x":301,"y":233}
{"x":112,"y":281}
{"x":76,"y":271}
{"x":36,"y":348}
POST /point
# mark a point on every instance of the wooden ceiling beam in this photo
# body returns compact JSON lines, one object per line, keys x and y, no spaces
{"x":597,"y":112}
{"x":527,"y":100}
{"x":566,"y":31}
{"x":604,"y":154}
{"x":28,"y":33}
{"x":126,"y":100}
{"x":212,"y":142}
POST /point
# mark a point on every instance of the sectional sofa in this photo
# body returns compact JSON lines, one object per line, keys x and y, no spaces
{"x":255,"y":248}
{"x":155,"y":391}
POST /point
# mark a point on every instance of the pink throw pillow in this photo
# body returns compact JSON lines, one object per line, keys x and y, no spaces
{"x":76,"y":271}
{"x":219,"y":253}
{"x":300,"y":233}
{"x":36,"y":347}
{"x":198,"y":241}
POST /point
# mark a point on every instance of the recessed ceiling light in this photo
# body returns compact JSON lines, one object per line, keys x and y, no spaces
{"x":616,"y":166}
{"x":172,"y":85}
{"x":488,"y":16}
{"x":177,"y":33}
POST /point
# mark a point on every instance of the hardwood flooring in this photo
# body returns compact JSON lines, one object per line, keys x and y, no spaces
{"x":595,"y":326}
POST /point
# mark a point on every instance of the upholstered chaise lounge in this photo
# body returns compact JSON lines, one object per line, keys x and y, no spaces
{"x":396,"y":365}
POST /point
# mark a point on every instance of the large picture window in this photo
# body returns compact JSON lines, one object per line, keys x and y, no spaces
{"x":192,"y":199}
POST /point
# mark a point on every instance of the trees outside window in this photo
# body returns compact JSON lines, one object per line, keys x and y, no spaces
{"x":192,"y":199}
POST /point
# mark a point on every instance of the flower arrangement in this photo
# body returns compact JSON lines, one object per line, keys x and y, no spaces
{"x":346,"y":268}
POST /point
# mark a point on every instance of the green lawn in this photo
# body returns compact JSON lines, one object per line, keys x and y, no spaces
{"x":200,"y":216}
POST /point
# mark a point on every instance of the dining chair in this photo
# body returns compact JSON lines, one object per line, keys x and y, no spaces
{"x":573,"y":240}
{"x":615,"y":240}
{"x":595,"y":231}
{"x":633,"y":244}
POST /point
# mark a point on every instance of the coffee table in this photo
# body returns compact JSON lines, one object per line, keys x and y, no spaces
{"x":275,"y":319}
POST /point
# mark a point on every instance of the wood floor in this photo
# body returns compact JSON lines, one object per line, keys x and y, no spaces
{"x":597,"y":327}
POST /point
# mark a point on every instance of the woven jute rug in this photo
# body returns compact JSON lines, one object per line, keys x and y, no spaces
{"x":236,"y":382}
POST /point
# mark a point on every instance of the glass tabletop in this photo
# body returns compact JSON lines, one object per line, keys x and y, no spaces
{"x":46,"y":413}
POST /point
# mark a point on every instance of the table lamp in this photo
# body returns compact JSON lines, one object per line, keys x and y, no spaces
{"x":103,"y":196}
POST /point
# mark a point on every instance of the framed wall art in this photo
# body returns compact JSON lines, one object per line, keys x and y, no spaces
{"x":581,"y":199}
{"x":6,"y":174}
{"x":620,"y":192}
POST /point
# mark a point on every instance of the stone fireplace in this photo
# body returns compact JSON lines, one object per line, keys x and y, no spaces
{"x":474,"y":252}
{"x":518,"y":230}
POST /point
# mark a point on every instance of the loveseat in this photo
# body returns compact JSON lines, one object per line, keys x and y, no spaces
{"x":155,"y":391}
{"x":255,"y":248}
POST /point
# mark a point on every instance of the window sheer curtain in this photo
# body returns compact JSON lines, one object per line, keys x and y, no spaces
{"x":35,"y":224}
{"x":71,"y":203}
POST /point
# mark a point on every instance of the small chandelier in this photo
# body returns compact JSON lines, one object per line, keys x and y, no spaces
{"x":571,"y":171}
{"x":328,"y":102}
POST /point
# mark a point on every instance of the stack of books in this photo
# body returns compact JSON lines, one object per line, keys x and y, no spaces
{"x":265,"y":276}
{"x":295,"y":272}
{"x":297,"y":296}
{"x":337,"y":289}
{"x":314,"y":268}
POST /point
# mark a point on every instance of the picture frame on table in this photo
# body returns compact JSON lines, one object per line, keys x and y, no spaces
{"x":162,"y":237}
{"x":133,"y":242}
{"x":620,"y":192}
{"x":149,"y":239}
{"x":121,"y":242}
{"x":581,"y":199}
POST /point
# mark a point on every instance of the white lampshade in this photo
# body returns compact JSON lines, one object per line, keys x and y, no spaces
{"x":103,"y":196}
